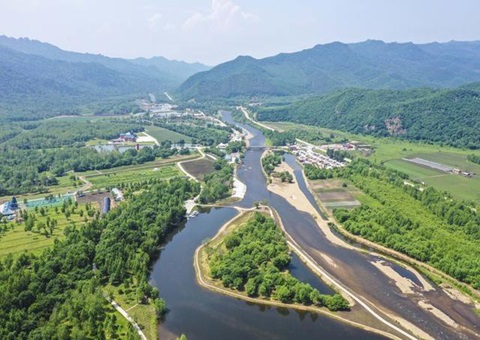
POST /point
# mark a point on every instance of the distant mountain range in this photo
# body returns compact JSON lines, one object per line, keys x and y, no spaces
{"x":58,"y":81}
{"x":324,"y":68}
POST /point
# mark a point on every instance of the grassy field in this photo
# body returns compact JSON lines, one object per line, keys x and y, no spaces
{"x":109,"y":180}
{"x":199,"y":168}
{"x":143,"y":314}
{"x":461,"y":187}
{"x":148,"y":165}
{"x":16,"y":240}
{"x":161,"y":134}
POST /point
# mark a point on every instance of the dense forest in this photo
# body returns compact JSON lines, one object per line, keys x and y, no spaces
{"x":255,"y":260}
{"x":439,"y":116}
{"x":58,"y":294}
{"x":425,"y":224}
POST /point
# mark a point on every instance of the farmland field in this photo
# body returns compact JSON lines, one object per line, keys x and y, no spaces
{"x":198,"y":168}
{"x":112,"y":179}
{"x":161,"y":134}
{"x":333,"y":194}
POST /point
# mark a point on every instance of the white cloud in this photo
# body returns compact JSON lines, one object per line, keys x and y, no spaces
{"x":155,"y":20}
{"x":169,"y":26}
{"x":222,"y":14}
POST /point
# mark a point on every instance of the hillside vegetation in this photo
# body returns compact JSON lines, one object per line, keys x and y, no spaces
{"x":324,"y":68}
{"x":40,"y":80}
{"x":443,"y":116}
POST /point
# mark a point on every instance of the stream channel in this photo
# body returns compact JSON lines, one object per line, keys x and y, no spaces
{"x":202,"y":314}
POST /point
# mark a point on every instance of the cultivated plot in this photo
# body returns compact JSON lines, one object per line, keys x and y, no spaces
{"x":199,"y":168}
{"x":336,"y":194}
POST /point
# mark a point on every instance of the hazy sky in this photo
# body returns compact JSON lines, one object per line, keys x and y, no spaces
{"x":218,"y":30}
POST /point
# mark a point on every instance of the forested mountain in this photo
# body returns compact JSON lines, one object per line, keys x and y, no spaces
{"x":450,"y":116}
{"x":323,"y":68}
{"x":39,"y":80}
{"x":170,"y":72}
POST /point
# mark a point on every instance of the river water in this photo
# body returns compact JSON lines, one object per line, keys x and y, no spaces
{"x":202,"y":314}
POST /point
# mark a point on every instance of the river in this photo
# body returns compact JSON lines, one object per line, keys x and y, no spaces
{"x":202,"y":314}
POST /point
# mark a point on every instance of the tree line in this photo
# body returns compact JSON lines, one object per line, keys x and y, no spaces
{"x":474,"y":158}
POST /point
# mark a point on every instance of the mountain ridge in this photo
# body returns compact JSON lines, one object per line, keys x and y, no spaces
{"x":41,"y":80}
{"x":328,"y":67}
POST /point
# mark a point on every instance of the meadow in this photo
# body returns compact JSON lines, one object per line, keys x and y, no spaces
{"x":198,"y":168}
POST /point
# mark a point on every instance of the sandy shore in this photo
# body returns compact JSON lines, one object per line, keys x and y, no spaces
{"x":239,"y":189}
{"x":292,"y":193}
{"x":404,"y":284}
{"x":438,"y":313}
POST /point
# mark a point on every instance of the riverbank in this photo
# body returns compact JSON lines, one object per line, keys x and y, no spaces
{"x":418,"y":290}
{"x":293,"y":194}
{"x":455,"y":289}
{"x":203,"y":278}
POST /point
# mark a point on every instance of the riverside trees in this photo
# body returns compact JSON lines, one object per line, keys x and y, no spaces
{"x":255,"y":258}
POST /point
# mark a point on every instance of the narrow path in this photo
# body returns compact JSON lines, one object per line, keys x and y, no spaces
{"x":87,"y":184}
{"x":247,"y":115}
{"x":168,"y":96}
{"x":179,"y":164}
{"x":130,"y":319}
{"x":156,"y":140}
